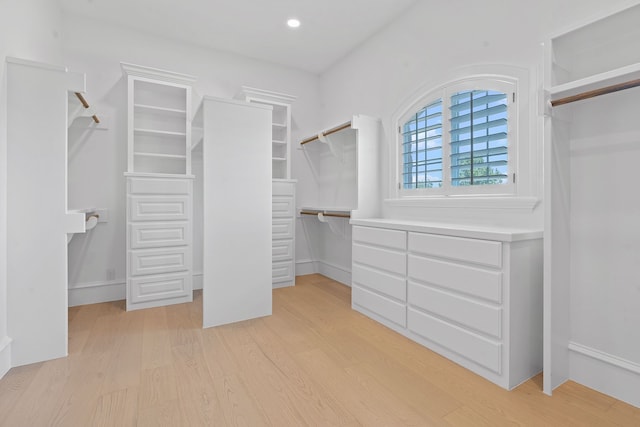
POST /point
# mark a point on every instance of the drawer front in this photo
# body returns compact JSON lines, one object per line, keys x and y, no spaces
{"x":379,"y":281}
{"x":380,"y":237}
{"x":282,"y":250}
{"x":479,"y":316}
{"x":153,"y":288}
{"x":282,"y":271}
{"x":155,"y":235}
{"x":159,"y":186}
{"x":282,"y":207}
{"x":280,"y":188}
{"x":172,"y":208}
{"x":282,"y":228}
{"x":380,"y":305}
{"x":384,"y":259}
{"x":475,"y":251}
{"x":483,"y":351}
{"x":473,"y":281}
{"x":158,"y":261}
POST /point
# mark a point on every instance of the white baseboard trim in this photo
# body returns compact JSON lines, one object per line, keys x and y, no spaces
{"x":605,"y":373}
{"x":198,"y":280}
{"x":5,"y":356}
{"x":305,"y":266}
{"x":97,"y":292}
{"x":335,"y":272}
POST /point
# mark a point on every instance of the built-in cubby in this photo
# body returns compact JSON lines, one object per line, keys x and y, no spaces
{"x":592,"y":143}
{"x":159,"y":187}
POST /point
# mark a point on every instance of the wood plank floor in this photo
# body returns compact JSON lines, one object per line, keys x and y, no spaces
{"x":314,"y":362}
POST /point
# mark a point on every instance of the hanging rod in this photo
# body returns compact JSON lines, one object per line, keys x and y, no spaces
{"x":315,"y":213}
{"x":85,"y":104}
{"x":328,"y":132}
{"x":596,"y":92}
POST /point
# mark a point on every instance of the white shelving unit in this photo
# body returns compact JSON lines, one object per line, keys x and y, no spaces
{"x":283,"y":187}
{"x":159,"y":188}
{"x":591,"y":308}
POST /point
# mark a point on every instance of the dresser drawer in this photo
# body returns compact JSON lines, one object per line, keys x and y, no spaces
{"x":159,"y":186}
{"x":483,"y":351}
{"x":380,"y":281}
{"x":282,"y":271}
{"x":281,"y":250}
{"x":475,"y":251}
{"x":394,"y":239}
{"x":473,"y":281}
{"x":380,"y":258}
{"x":158,"y":208}
{"x":153,"y":235}
{"x":282,"y":228}
{"x":158,"y":261}
{"x":380,"y":305}
{"x":153,"y":288}
{"x":473,"y":314}
{"x":282,"y":207}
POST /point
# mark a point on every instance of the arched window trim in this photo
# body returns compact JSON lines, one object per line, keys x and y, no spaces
{"x":503,"y":83}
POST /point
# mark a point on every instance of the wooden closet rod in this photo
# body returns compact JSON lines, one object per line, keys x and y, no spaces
{"x":596,"y":92}
{"x":328,"y":132}
{"x":85,"y":104}
{"x":337,"y":215}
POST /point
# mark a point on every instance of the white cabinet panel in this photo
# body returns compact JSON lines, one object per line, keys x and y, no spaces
{"x":282,"y":271}
{"x":156,"y":261}
{"x":282,"y":228}
{"x":381,"y":237}
{"x":282,"y":207}
{"x":282,"y":250}
{"x":473,"y":314}
{"x":457,"y":248}
{"x":393,"y":286}
{"x":485,"y":352}
{"x":474,"y":281}
{"x":159,"y":187}
{"x":380,"y":305}
{"x":159,"y":208}
{"x":154,"y":235}
{"x":154,"y":288}
{"x":384,"y":259}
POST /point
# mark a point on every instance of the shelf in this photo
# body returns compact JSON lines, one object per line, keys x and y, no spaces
{"x":156,"y":132}
{"x":160,"y":155}
{"x":279,"y":125}
{"x":277,"y":141}
{"x":279,"y":159}
{"x":165,"y":110}
{"x":596,"y":82}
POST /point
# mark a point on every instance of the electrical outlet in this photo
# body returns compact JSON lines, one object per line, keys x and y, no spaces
{"x":111,"y":274}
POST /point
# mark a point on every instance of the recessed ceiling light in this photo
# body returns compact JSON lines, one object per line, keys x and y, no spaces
{"x":293,"y":23}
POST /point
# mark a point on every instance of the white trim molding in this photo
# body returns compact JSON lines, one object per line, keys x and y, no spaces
{"x":5,"y":355}
{"x":523,"y":204}
{"x":97,"y":292}
{"x":335,"y":272}
{"x":605,"y":373}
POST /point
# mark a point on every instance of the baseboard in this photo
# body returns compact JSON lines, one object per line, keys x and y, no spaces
{"x":97,"y":292}
{"x":605,"y":373}
{"x":335,"y":272}
{"x":5,"y":356}
{"x":198,"y":280}
{"x":305,"y":266}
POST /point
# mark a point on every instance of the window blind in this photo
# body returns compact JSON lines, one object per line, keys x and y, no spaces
{"x":422,"y":148}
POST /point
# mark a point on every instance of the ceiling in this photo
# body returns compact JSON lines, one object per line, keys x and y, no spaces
{"x":255,"y":28}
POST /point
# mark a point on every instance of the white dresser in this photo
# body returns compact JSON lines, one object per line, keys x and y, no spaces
{"x":473,"y":295}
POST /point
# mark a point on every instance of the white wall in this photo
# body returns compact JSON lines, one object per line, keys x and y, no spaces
{"x":28,"y":29}
{"x":97,"y":159}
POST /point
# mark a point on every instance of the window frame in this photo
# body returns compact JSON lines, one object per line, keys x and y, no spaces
{"x":504,"y":84}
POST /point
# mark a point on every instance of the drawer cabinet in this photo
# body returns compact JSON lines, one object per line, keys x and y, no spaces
{"x":467,"y":298}
{"x":283,"y":232}
{"x":159,"y":241}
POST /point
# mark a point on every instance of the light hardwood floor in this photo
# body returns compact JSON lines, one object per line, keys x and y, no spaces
{"x":314,"y":362}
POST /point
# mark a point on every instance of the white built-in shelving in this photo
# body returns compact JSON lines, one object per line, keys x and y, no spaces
{"x":159,"y":187}
{"x":592,"y":146}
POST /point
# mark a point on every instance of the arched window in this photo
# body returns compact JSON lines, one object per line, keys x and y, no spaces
{"x":460,"y":139}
